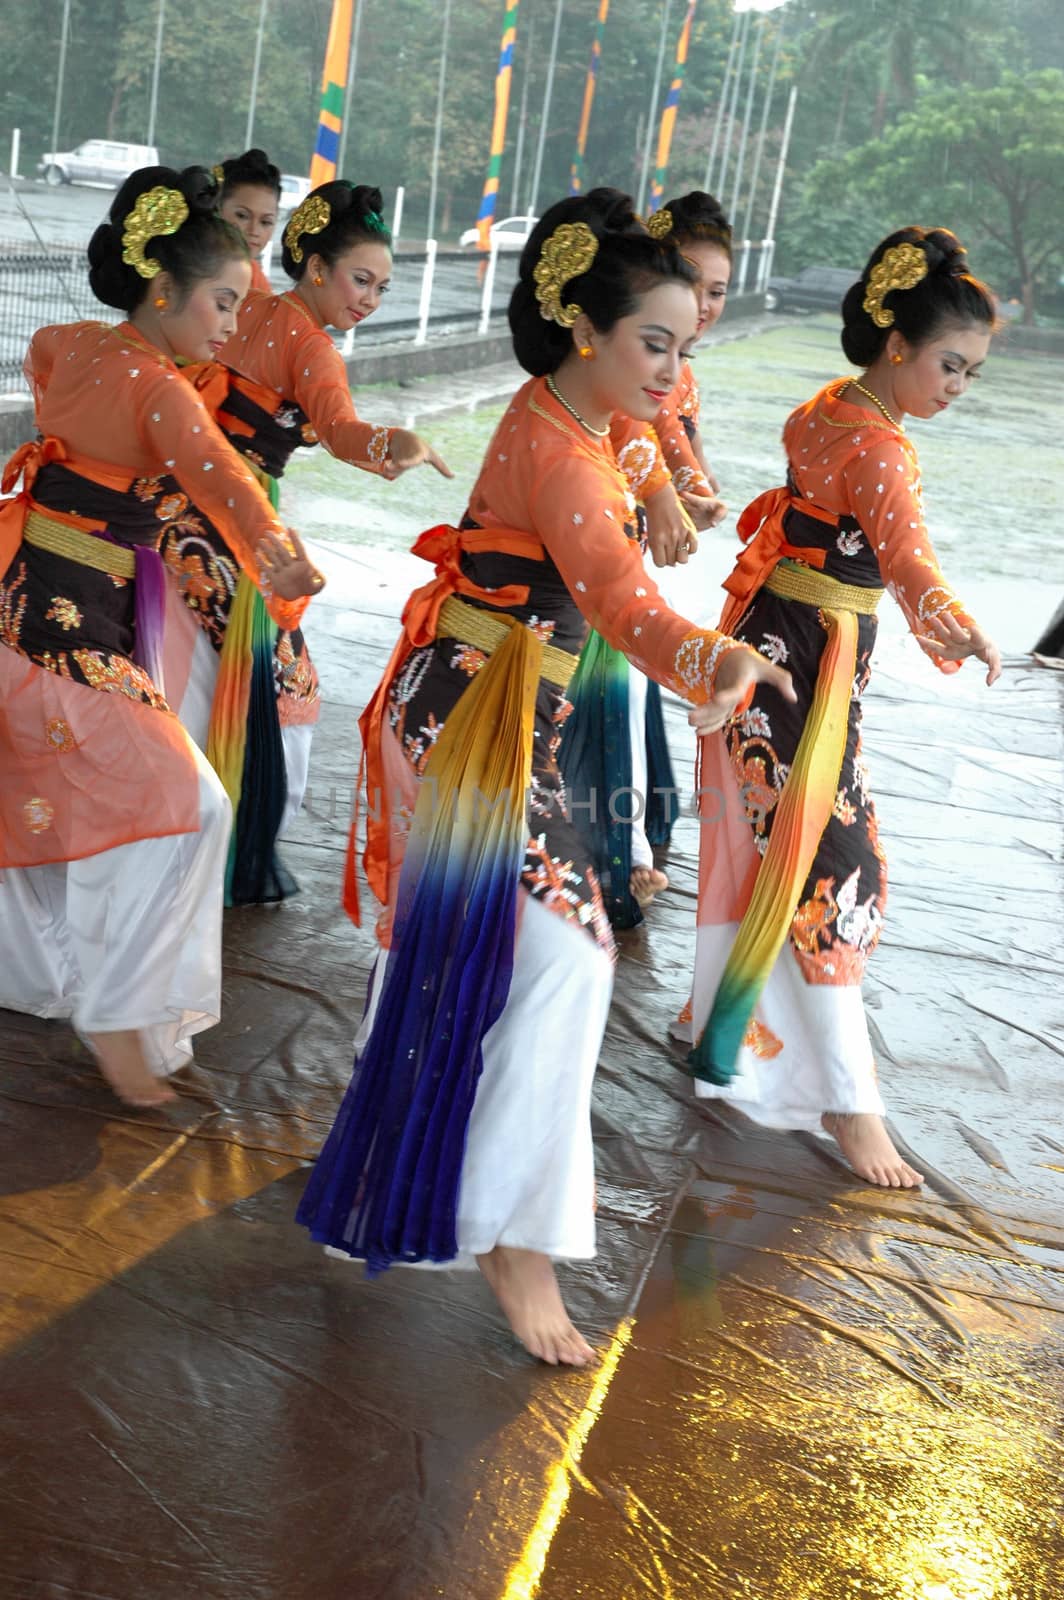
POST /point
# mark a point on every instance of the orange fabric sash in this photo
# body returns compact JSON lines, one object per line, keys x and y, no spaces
{"x":26,"y":463}
{"x":761,"y":531}
{"x":443,"y":546}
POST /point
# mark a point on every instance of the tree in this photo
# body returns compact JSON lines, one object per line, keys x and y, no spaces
{"x":988,"y":163}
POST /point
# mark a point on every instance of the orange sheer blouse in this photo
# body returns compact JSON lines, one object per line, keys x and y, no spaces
{"x":279,"y":346}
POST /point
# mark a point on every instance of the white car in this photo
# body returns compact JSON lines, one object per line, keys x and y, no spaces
{"x":103,"y":163}
{"x":293,"y":191}
{"x":509,"y":234}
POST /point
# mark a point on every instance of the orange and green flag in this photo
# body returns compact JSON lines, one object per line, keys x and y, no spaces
{"x":333,"y":87}
{"x":576,"y":171}
{"x":486,"y":214}
{"x":668,"y":114}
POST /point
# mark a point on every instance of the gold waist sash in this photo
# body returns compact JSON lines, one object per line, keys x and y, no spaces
{"x":487,"y":632}
{"x":84,"y":548}
{"x":794,"y":582}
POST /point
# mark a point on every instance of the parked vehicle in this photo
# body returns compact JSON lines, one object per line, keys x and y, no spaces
{"x":102,"y":163}
{"x":814,"y":289}
{"x":293,"y":191}
{"x":509,"y":234}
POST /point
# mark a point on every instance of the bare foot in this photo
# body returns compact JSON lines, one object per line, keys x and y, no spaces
{"x":864,"y":1141}
{"x":120,"y":1058}
{"x":524,"y":1284}
{"x":645,"y":883}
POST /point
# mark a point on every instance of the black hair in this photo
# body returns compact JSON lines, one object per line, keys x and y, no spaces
{"x":698,"y":216}
{"x":254,"y":168}
{"x":196,"y":251}
{"x":627,"y":264}
{"x":947,"y":296}
{"x":355,"y":217}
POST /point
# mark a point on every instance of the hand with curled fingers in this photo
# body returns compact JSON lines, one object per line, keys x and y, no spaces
{"x":406,"y":450}
{"x":737,"y":672}
{"x":952,"y":639}
{"x":705,"y":510}
{"x":671,"y":536}
{"x":286,"y":569}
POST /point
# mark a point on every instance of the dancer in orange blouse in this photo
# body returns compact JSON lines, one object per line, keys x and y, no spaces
{"x":466,"y":1129}
{"x":793,"y":877}
{"x":113,"y":829}
{"x":249,"y":197}
{"x":615,"y":738}
{"x":286,"y":385}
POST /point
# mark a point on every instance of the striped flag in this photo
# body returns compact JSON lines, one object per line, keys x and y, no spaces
{"x":668,"y":114}
{"x":576,"y":171}
{"x":333,"y":85}
{"x":486,"y":214}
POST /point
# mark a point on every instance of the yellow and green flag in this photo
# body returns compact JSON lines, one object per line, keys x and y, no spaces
{"x":486,"y":214}
{"x":333,"y":87}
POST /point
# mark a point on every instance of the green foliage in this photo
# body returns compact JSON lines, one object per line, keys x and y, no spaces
{"x":864,"y":69}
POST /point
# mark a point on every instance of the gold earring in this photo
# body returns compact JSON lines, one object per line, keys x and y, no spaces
{"x":318,"y":281}
{"x":895,"y":360}
{"x":586,"y":353}
{"x":160,"y":302}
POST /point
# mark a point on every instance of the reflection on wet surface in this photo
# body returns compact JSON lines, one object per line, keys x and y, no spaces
{"x":809,"y":1390}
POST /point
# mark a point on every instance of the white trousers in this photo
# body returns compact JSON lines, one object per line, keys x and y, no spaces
{"x":129,"y":938}
{"x":528,"y":1177}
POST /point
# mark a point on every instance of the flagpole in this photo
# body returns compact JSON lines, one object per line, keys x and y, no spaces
{"x":576,"y":170}
{"x":737,"y":78}
{"x":253,"y":102}
{"x":352,"y":68}
{"x":744,"y":136}
{"x":670,"y":110}
{"x":437,"y":137}
{"x":545,"y":114}
{"x":777,"y":188}
{"x":334,"y":75}
{"x":522,"y":118}
{"x":765,"y":111}
{"x":155,"y":71}
{"x":652,"y":115}
{"x":725,"y":91}
{"x":503,"y":78}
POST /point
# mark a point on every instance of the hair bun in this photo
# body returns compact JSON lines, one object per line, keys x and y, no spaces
{"x":200,"y":190}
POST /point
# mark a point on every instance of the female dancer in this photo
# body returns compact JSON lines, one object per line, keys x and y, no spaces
{"x":249,"y":197}
{"x":466,"y":1128}
{"x":614,"y":741}
{"x":112,"y":827}
{"x":793,"y":878}
{"x":252,"y":695}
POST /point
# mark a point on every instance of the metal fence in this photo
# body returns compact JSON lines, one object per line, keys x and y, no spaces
{"x":434,"y":292}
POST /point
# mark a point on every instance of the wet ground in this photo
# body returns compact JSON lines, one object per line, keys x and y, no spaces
{"x":809,"y":1390}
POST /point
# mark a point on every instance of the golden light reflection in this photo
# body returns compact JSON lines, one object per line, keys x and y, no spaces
{"x":524,"y":1576}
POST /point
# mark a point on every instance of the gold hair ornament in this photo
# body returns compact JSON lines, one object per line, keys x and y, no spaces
{"x":157,"y":212}
{"x":218,"y":174}
{"x":312,"y":216}
{"x":903,"y":266}
{"x":659,"y":226}
{"x":567,"y":254}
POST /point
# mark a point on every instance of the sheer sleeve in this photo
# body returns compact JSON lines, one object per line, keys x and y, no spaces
{"x":676,"y":446}
{"x":319,"y":385}
{"x":580,"y":511}
{"x":883,"y":490}
{"x":638,"y":454}
{"x":40,"y":357}
{"x":176,"y":429}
